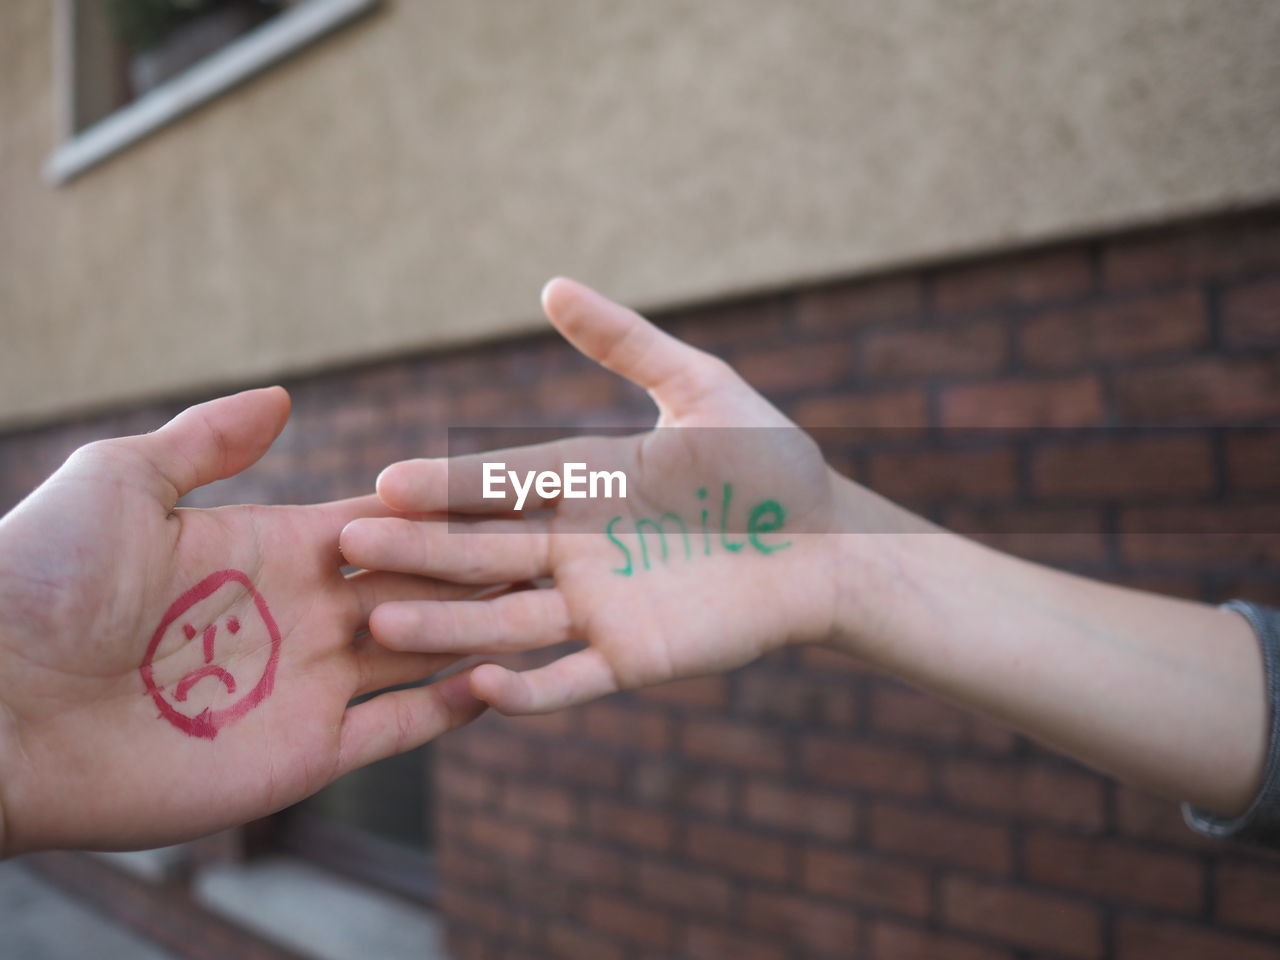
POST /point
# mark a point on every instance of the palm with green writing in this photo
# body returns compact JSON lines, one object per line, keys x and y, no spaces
{"x":719,"y":553}
{"x":166,"y":672}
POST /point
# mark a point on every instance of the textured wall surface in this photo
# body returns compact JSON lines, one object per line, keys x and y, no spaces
{"x":804,"y":806}
{"x":413,"y":180}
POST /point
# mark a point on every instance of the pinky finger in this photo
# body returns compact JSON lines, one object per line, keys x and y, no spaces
{"x":395,"y":722}
{"x":571,"y":680}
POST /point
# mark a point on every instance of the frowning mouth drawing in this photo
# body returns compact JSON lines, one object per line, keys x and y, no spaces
{"x":187,"y":704}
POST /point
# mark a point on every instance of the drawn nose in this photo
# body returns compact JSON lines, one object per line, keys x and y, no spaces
{"x":210,"y":632}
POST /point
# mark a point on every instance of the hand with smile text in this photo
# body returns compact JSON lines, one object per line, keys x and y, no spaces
{"x":742,"y":564}
{"x":733,"y":542}
{"x":165,"y":672}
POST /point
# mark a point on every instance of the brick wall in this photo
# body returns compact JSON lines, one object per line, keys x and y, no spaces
{"x":806,"y":806}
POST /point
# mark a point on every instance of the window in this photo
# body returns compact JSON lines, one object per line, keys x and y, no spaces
{"x":126,"y":68}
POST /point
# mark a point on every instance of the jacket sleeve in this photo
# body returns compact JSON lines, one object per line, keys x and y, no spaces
{"x":1260,"y":824}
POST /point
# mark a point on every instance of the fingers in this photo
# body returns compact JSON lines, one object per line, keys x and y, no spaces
{"x":213,"y":440}
{"x":571,"y":680}
{"x":380,"y":668}
{"x":459,"y":485}
{"x":371,"y":588}
{"x":395,"y":722}
{"x":491,"y":551}
{"x":676,"y":375}
{"x":518,"y":621}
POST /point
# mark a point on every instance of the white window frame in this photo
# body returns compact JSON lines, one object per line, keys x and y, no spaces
{"x":277,"y":39}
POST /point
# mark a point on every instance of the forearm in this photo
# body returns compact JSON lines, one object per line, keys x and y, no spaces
{"x":1163,"y":693}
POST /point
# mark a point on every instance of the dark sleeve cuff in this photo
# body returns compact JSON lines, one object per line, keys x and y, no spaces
{"x":1260,"y":824}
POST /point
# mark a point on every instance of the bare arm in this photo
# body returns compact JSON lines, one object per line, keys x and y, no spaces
{"x":1162,"y":693}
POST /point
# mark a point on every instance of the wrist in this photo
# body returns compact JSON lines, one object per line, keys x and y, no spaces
{"x":877,"y":550}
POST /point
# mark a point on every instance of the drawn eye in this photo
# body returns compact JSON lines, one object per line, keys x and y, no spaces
{"x":189,"y":630}
{"x":233,"y":624}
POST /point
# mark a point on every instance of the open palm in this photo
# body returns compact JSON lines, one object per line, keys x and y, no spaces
{"x":709,"y":561}
{"x":168,"y":672}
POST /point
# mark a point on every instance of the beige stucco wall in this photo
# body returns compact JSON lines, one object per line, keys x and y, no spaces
{"x":413,"y":179}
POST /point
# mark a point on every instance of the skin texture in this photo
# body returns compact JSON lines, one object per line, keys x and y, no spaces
{"x":91,"y":563}
{"x":1164,"y":693}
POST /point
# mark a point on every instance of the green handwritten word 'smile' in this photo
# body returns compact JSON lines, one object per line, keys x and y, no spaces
{"x":765,"y":517}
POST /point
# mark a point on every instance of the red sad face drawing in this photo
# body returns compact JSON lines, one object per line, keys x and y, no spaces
{"x":213,"y":657}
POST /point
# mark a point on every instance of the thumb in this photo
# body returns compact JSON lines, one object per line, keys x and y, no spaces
{"x":676,"y":375}
{"x":214,"y":440}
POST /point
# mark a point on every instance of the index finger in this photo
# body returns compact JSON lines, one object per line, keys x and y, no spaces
{"x":459,"y":485}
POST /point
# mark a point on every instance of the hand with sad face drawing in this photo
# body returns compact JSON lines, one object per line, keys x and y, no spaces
{"x":167,"y":672}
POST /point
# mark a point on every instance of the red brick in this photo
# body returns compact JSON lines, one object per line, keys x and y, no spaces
{"x":909,"y":713}
{"x":477,"y":789}
{"x":890,"y":941}
{"x":1023,"y":280}
{"x":1251,"y":313}
{"x":587,"y":766}
{"x":968,"y":349}
{"x":796,"y":699}
{"x":1147,"y":940}
{"x":1263,"y":588}
{"x":734,"y":744}
{"x":1248,"y":896}
{"x":1074,"y":402}
{"x":878,"y":411}
{"x":464,"y":946}
{"x":920,"y":475}
{"x":585,"y":860}
{"x":941,"y":836}
{"x":508,"y":841}
{"x":720,"y":327}
{"x":482,"y":912}
{"x":570,"y":943}
{"x":1228,"y":248}
{"x":1116,"y":330}
{"x":631,"y":921}
{"x":575,"y":394}
{"x":549,"y":805}
{"x":711,"y":693}
{"x":739,"y":851}
{"x":1240,"y":536}
{"x":543,"y":724}
{"x":828,"y":930}
{"x":867,"y":881}
{"x":625,"y":725}
{"x":795,"y":366}
{"x":675,"y":783}
{"x":1036,"y":792}
{"x":1211,"y":389}
{"x":465,"y":867}
{"x":684,"y":888}
{"x":833,"y":309}
{"x":1253,"y":460}
{"x":1115,"y":871}
{"x":1057,"y":535}
{"x":533,"y":886}
{"x":1135,"y":468}
{"x":629,"y":824}
{"x":811,"y":813}
{"x":485,"y":747}
{"x":705,"y":942}
{"x":1022,"y":918}
{"x":865,"y":766}
{"x":1145,"y":817}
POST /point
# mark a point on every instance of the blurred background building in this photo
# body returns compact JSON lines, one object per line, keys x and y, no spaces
{"x":993,"y":213}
